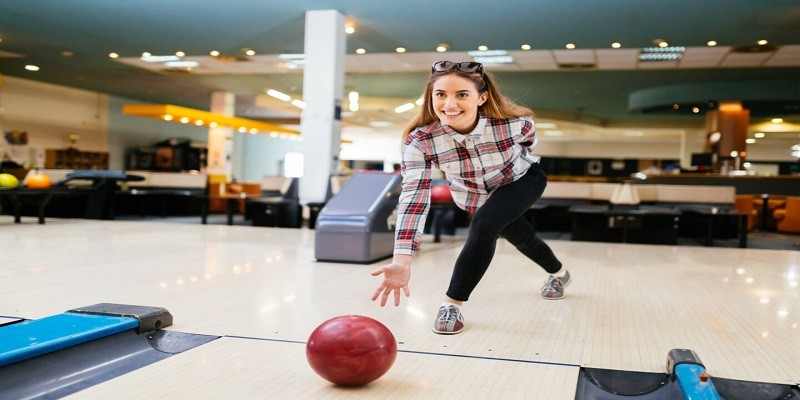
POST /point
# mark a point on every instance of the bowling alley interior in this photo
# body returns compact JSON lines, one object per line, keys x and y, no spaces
{"x":194,"y":197}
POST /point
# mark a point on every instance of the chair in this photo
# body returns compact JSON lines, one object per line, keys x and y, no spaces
{"x":788,"y":218}
{"x":746,"y":203}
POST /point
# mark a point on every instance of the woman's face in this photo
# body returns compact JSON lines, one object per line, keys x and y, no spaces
{"x":456,"y":102}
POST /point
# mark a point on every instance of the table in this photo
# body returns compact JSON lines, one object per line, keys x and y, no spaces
{"x":44,"y":196}
{"x":714,"y":215}
{"x":644,"y":224}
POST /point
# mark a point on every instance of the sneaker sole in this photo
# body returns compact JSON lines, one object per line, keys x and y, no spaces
{"x":447,"y":333}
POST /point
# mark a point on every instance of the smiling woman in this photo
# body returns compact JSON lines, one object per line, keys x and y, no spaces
{"x":484,"y":144}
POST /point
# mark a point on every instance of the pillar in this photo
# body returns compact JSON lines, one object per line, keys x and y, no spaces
{"x":323,"y":88}
{"x":731,"y":120}
{"x":220,"y":139}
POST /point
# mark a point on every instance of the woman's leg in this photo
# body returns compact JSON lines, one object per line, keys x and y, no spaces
{"x":501,"y":214}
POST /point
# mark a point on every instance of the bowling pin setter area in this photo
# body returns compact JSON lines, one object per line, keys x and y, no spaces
{"x":259,"y":294}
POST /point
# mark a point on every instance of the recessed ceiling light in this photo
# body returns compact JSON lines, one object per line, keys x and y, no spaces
{"x":403,"y":108}
{"x":249,"y":52}
{"x":570,"y":46}
{"x":400,"y":49}
{"x":712,"y":43}
{"x":616,"y":45}
{"x":762,"y":42}
{"x":759,"y":135}
{"x":214,"y":53}
{"x":66,"y":53}
{"x":350,"y":29}
{"x":180,"y":54}
{"x":113,"y":55}
{"x":31,"y":67}
{"x":525,"y":47}
{"x":360,"y":51}
{"x":483,"y":48}
{"x":777,"y":120}
{"x":146,"y":54}
{"x":676,"y":106}
{"x":750,"y":141}
{"x":442,"y":47}
{"x":695,"y":110}
{"x":663,"y":44}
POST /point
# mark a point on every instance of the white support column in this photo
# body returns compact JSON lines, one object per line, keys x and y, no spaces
{"x":323,"y":88}
{"x":220,"y":139}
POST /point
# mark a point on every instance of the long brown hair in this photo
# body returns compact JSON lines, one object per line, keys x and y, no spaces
{"x":496,"y":106}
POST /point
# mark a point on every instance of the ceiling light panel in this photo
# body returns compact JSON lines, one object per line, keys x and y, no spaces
{"x":580,"y":56}
{"x":540,"y":60}
{"x":616,"y":58}
{"x":703,"y":57}
{"x":785,"y":56}
{"x":737,"y":60}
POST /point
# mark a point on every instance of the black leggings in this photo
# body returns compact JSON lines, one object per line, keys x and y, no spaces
{"x":502,"y":215}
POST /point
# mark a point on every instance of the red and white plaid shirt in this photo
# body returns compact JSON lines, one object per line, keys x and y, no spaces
{"x":497,"y":152}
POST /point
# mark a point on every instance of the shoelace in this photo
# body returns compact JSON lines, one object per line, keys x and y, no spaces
{"x":552,"y":284}
{"x":450,"y":314}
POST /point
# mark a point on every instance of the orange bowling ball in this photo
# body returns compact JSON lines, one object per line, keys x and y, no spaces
{"x":38,"y":181}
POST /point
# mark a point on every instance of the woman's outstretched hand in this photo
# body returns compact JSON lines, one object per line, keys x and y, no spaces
{"x":395,"y":277}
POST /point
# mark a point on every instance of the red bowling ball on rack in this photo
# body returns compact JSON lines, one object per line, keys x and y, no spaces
{"x":351,"y":350}
{"x":441,"y":194}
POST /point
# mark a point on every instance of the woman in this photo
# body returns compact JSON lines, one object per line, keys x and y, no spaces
{"x":484,"y":144}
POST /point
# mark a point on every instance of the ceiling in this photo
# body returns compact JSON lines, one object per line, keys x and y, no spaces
{"x":70,"y":41}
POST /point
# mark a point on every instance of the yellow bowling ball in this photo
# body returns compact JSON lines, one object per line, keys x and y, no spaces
{"x":8,"y":181}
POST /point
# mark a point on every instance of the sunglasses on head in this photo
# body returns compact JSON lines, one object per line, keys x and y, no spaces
{"x":466,"y":67}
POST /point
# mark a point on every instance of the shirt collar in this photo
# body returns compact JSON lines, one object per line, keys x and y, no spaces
{"x":460,"y":137}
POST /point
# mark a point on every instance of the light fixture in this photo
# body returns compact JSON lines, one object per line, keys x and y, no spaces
{"x":158,"y":59}
{"x":279,"y":95}
{"x":169,"y":112}
{"x":483,"y":48}
{"x":350,"y":28}
{"x":695,"y":110}
{"x":360,"y":51}
{"x":663,"y":44}
{"x":214,"y":53}
{"x":442,"y":47}
{"x":400,"y":49}
{"x":660,"y":53}
{"x":712,"y":43}
{"x":31,"y":67}
{"x":113,"y":55}
{"x":570,"y":46}
{"x":750,"y":141}
{"x":759,"y":135}
{"x":762,"y":42}
{"x":250,"y":52}
{"x":299,"y":103}
{"x":616,"y":45}
{"x":525,"y":47}
{"x":180,"y":54}
{"x":777,"y":120}
{"x":66,"y":53}
{"x":403,"y":108}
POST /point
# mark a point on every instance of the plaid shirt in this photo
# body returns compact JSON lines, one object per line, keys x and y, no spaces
{"x":497,"y":152}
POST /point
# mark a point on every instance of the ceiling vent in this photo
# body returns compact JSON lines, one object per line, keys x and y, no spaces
{"x":576,"y":65}
{"x":227,"y":58}
{"x":767,"y":48}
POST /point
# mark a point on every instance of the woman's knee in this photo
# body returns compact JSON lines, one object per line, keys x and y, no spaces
{"x":483,"y":226}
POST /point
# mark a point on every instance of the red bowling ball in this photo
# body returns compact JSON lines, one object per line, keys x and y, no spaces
{"x":441,"y":194}
{"x":351,"y":350}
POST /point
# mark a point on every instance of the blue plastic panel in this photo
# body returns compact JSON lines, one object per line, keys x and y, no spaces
{"x":32,"y":338}
{"x":687,"y":376}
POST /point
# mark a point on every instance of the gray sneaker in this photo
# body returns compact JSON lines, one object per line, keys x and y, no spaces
{"x":553,"y":288}
{"x":449,"y":321}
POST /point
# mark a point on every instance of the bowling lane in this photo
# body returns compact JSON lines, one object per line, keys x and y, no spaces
{"x":627,"y":307}
{"x":234,"y":368}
